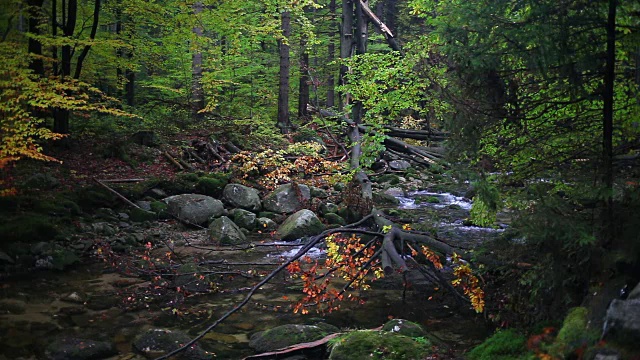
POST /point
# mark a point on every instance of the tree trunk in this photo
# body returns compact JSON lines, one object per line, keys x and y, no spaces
{"x":331,"y":54}
{"x":284,"y":122}
{"x":34,"y":46}
{"x":69,"y":18}
{"x":607,"y":124}
{"x":197,"y":91}
{"x":94,"y":30}
{"x":303,"y":93}
{"x":346,"y":44}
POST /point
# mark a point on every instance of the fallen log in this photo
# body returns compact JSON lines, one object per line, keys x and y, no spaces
{"x":425,"y":157}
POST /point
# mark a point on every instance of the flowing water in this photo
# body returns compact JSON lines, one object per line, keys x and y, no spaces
{"x":93,"y":301}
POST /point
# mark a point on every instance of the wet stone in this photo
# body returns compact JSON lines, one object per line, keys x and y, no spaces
{"x":79,"y":349}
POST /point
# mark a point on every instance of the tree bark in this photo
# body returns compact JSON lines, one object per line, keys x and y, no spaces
{"x":346,"y":45}
{"x":303,"y":90}
{"x":197,"y":91}
{"x":284,"y":122}
{"x":34,"y":46}
{"x":607,"y":125}
{"x":94,"y":30}
{"x":331,"y":54}
{"x":69,"y":19}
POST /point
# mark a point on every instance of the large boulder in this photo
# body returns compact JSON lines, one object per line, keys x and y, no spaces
{"x":223,"y":231}
{"x":194,"y":208}
{"x":301,"y":224}
{"x":623,"y":320}
{"x":241,"y":196}
{"x":287,"y":198}
{"x":158,"y":342}
{"x":290,"y":334}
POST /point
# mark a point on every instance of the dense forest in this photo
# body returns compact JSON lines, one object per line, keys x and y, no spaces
{"x":464,"y":173}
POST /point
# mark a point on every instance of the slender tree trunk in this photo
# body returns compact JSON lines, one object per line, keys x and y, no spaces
{"x":284,"y":122}
{"x":94,"y":30}
{"x":69,"y":18}
{"x":303,"y":93}
{"x":346,"y":44}
{"x":358,"y":109}
{"x":331,"y":52}
{"x":390,"y":15}
{"x":128,"y":74}
{"x":197,"y":91}
{"x":607,"y":125}
{"x":34,"y":46}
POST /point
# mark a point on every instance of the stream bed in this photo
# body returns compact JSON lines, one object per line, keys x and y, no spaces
{"x":94,"y":301}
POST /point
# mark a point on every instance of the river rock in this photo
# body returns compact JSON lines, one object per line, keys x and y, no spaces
{"x":157,"y":342}
{"x":290,"y":334}
{"x":326,"y":208}
{"x":79,"y":349}
{"x":244,"y":219}
{"x":223,"y":231}
{"x":241,"y":196}
{"x":623,"y":320}
{"x":399,"y":165}
{"x":266,"y":224}
{"x":194,"y":208}
{"x":301,"y":224}
{"x":385,"y":199}
{"x":317,"y":192}
{"x":334,"y":219}
{"x":287,"y":199}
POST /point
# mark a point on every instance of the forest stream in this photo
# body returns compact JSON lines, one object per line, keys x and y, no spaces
{"x":94,"y":301}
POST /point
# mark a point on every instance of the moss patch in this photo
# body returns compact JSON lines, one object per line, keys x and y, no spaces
{"x":378,"y":345}
{"x":503,"y":345}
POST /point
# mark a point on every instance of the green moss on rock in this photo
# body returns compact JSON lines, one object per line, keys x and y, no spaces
{"x":361,"y":345}
{"x":404,"y":327}
{"x":290,"y":334}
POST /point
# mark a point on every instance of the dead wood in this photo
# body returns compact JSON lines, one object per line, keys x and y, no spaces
{"x":116,"y":193}
{"x":173,"y":161}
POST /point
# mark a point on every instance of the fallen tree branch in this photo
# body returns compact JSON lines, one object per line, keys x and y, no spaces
{"x":116,"y":193}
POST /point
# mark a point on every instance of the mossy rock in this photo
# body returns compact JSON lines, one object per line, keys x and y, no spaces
{"x":575,"y":333}
{"x":57,"y":207}
{"x":428,"y":199}
{"x":391,"y":179}
{"x":334,"y":219}
{"x":139,"y":215}
{"x":287,"y":335}
{"x":385,"y":199}
{"x":95,"y":197}
{"x":28,"y":227}
{"x":503,"y":345}
{"x":63,"y":258}
{"x":212,"y":184}
{"x":361,"y":345}
{"x":160,"y":208}
{"x":404,"y":327}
